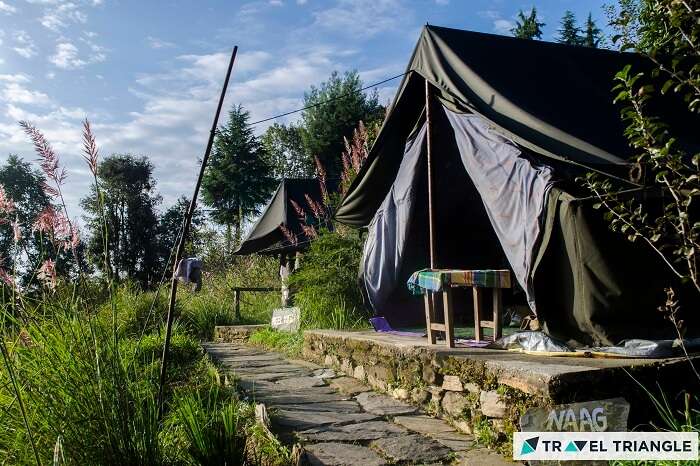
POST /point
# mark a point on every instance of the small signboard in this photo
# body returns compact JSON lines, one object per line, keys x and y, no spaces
{"x":591,"y":416}
{"x":286,"y":319}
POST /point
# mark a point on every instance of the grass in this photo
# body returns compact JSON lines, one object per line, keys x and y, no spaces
{"x":289,"y":344}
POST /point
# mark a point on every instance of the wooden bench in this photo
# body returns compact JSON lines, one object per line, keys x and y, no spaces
{"x":431,"y":282}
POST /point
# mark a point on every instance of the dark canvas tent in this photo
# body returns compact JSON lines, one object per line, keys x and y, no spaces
{"x":514,"y":122}
{"x":266,"y":236}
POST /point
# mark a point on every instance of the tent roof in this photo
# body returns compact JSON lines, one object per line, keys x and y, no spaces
{"x":266,"y":236}
{"x":553,"y":99}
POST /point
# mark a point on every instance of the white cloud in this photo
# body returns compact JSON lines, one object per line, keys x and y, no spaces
{"x":364,"y":18}
{"x":24,"y":45}
{"x":6,"y":8}
{"x":61,"y":14}
{"x":276,"y":2}
{"x":16,"y":93}
{"x":66,"y":57}
{"x":14,"y":78}
{"x":503,"y":26}
{"x":156,"y":43}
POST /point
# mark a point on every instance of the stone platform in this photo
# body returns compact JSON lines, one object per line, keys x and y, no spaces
{"x":485,"y":391}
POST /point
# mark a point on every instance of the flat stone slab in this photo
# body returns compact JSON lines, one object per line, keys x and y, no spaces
{"x":362,"y":432}
{"x":412,"y":448}
{"x":342,"y":454}
{"x":324,"y":373}
{"x":383,"y":405}
{"x":304,"y":397}
{"x":303,"y":420}
{"x":272,"y":368}
{"x":329,"y":406}
{"x":266,"y":388}
{"x":455,"y":441}
{"x":425,"y":425}
{"x":484,"y":457}
{"x":349,"y":386}
{"x":300,"y":383}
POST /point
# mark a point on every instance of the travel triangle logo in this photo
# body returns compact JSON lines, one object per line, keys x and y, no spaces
{"x":529,"y":445}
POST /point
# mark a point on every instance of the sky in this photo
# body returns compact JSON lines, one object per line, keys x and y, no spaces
{"x":147,"y":74}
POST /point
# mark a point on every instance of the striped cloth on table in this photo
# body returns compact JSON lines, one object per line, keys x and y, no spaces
{"x":436,"y":280}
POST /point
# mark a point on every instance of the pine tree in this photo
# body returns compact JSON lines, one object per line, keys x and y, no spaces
{"x":569,"y":33}
{"x":593,"y":34}
{"x":527,"y":27}
{"x":238,"y":179}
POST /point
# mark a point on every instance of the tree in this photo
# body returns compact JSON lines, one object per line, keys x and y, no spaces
{"x":284,"y":151}
{"x":130,"y":200}
{"x":593,"y":35}
{"x":569,"y":33}
{"x":169,"y":226}
{"x":238,"y":179}
{"x":338,"y":106}
{"x":527,"y":27}
{"x":667,"y":31}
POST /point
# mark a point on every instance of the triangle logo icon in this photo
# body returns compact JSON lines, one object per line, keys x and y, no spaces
{"x":571,"y":447}
{"x":580,"y":444}
{"x":530,"y":445}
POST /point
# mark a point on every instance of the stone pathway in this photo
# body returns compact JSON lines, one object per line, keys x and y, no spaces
{"x":339,"y":420}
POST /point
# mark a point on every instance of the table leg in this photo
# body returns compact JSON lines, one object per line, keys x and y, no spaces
{"x":449,"y":317}
{"x":429,"y":317}
{"x":478,"y":333}
{"x":497,"y":312}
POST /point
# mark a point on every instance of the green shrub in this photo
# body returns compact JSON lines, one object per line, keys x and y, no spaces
{"x":326,"y":288}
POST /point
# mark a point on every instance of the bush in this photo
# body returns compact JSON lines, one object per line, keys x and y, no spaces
{"x":326,"y":283}
{"x":287,"y":343}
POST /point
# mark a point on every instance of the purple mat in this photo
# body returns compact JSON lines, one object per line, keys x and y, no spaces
{"x":381,"y":325}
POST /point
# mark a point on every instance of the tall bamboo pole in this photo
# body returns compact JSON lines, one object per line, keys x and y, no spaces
{"x":429,"y":137}
{"x":183,"y":235}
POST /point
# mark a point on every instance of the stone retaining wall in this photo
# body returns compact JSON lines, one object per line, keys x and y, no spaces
{"x":463,"y":391}
{"x":234,"y":333}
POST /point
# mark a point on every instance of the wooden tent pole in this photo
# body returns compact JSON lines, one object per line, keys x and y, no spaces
{"x":431,"y":218}
{"x":183,"y":236}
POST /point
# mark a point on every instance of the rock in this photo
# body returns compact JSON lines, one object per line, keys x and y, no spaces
{"x":331,"y":360}
{"x":420,"y":396}
{"x":303,"y":397}
{"x":324,"y":373}
{"x":483,"y":457}
{"x":346,"y":366}
{"x":349,"y":386}
{"x":411,"y":448}
{"x":454,"y":403}
{"x":302,"y":420}
{"x":424,"y":424}
{"x":429,"y":374}
{"x":383,"y":405}
{"x":499,"y":425}
{"x":463,"y":426}
{"x":472,"y":387}
{"x":491,"y":404}
{"x":305,"y":363}
{"x":379,"y":376}
{"x":359,"y":373}
{"x":328,"y":406}
{"x":455,"y":441}
{"x":400,"y":394}
{"x":341,"y":454}
{"x":298,"y":383}
{"x":361,"y":432}
{"x":452,"y":383}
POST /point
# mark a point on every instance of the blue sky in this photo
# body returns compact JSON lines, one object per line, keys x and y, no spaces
{"x":147,"y":73}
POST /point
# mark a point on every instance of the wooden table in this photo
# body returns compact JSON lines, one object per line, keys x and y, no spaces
{"x":431,"y":282}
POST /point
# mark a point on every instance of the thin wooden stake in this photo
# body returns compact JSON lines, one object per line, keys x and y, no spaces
{"x":185,"y":229}
{"x":431,"y":218}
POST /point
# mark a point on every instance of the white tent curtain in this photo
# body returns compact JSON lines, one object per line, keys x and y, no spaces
{"x":512,"y":189}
